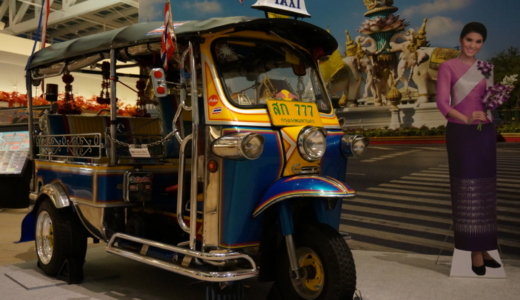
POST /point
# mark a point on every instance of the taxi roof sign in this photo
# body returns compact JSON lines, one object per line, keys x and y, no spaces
{"x":286,"y":7}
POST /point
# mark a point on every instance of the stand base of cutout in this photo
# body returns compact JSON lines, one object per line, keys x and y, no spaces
{"x":461,"y":266}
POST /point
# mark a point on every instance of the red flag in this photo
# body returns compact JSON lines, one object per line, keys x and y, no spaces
{"x":167,"y":45}
{"x":45,"y":20}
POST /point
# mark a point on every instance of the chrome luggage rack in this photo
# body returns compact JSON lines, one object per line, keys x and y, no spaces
{"x":183,"y":260}
{"x":85,"y":145}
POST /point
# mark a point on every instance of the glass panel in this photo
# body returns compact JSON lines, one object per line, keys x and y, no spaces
{"x":254,"y":71}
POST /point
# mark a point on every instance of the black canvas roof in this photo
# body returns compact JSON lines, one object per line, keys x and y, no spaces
{"x":303,"y":33}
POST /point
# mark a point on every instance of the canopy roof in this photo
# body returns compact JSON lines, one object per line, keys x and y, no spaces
{"x":303,"y":33}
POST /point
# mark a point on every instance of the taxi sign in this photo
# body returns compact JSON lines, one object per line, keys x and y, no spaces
{"x":284,"y":7}
{"x":293,"y":113}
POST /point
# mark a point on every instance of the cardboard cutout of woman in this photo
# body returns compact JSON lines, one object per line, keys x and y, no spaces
{"x":461,"y":85}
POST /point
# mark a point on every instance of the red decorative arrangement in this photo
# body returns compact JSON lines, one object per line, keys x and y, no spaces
{"x":16,"y":99}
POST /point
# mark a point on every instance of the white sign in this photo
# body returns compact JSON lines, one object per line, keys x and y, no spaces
{"x":139,"y":152}
{"x":288,"y":7}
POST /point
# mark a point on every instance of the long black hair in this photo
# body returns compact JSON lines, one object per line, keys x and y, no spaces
{"x":474,"y":27}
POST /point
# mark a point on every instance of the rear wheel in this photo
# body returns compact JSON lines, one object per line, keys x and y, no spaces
{"x":59,"y":236}
{"x":326,"y":267}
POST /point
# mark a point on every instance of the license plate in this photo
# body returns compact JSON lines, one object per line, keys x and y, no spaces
{"x":293,"y":113}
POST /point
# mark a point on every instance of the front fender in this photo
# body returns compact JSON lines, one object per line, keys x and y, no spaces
{"x":56,"y":192}
{"x":303,"y":186}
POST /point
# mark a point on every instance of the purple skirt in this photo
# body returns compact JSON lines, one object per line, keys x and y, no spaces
{"x":472,"y":160}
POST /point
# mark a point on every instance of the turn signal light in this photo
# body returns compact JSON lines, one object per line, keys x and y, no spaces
{"x":354,"y":145}
{"x":212,"y":166}
{"x":159,"y":82}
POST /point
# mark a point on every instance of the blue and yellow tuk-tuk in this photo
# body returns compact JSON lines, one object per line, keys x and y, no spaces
{"x":237,"y":170}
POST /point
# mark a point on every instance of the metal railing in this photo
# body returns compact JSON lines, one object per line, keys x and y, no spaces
{"x":86,"y":145}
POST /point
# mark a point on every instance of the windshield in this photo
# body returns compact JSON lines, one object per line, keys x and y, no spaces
{"x":255,"y":71}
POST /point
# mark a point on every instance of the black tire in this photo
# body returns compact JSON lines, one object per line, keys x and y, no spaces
{"x":59,"y":236}
{"x":329,"y":270}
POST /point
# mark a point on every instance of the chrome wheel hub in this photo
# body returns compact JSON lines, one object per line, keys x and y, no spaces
{"x":310,"y":284}
{"x":44,"y":237}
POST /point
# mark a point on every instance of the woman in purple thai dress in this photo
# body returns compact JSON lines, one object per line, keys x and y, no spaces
{"x":461,"y":85}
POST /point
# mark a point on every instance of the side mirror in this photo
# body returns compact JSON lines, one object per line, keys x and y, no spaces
{"x":159,"y":82}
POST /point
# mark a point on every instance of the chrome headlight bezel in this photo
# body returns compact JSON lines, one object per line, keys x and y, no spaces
{"x":304,"y":137}
{"x":354,"y":145}
{"x":239,"y":146}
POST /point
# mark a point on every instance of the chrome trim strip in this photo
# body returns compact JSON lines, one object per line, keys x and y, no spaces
{"x":301,"y":195}
{"x":187,"y":271}
{"x":98,"y":204}
{"x":92,"y":219}
{"x":80,"y":168}
{"x":194,"y":149}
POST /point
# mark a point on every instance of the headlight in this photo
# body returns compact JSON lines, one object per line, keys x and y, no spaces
{"x":354,"y":145}
{"x":312,"y":143}
{"x":239,"y":146}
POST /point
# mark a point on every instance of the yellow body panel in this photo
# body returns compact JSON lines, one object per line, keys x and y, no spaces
{"x":292,"y":154}
{"x":219,"y":109}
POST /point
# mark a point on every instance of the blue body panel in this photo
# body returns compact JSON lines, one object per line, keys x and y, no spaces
{"x":81,"y":186}
{"x":243,"y":183}
{"x":250,"y":186}
{"x":76,"y":184}
{"x":334,"y":165}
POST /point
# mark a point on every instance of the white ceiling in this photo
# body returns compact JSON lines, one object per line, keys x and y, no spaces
{"x":69,"y":19}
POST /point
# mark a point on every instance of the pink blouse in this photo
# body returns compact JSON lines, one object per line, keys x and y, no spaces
{"x":450,"y":72}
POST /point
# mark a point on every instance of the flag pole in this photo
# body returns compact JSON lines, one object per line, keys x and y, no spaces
{"x":173,"y":26}
{"x":45,"y":21}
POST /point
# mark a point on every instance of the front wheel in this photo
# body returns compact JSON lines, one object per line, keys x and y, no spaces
{"x":326,"y":267}
{"x":59,"y":236}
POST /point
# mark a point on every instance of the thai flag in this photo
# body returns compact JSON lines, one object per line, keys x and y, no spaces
{"x":45,"y":20}
{"x":167,"y":45}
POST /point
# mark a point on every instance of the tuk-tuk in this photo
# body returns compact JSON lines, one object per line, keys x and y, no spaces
{"x":238,"y":173}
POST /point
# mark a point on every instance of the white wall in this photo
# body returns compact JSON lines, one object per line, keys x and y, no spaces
{"x":15,"y":51}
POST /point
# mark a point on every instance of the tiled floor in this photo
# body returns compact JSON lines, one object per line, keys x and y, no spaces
{"x":10,"y":253}
{"x":380,"y":276}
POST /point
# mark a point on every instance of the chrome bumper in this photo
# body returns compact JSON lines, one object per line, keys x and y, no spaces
{"x":181,"y":267}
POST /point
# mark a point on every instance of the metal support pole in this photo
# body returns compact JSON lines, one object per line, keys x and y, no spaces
{"x":29,"y":113}
{"x":287,"y":230}
{"x":113,"y":107}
